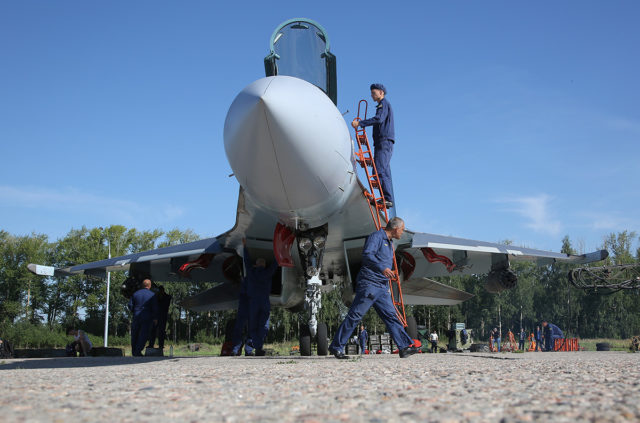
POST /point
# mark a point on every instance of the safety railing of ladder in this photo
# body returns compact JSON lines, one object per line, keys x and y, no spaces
{"x":377,"y":205}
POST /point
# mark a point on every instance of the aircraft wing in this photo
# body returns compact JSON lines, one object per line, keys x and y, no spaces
{"x":206,"y":260}
{"x":438,"y":255}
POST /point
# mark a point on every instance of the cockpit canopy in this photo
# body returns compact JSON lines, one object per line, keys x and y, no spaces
{"x":300,"y":48}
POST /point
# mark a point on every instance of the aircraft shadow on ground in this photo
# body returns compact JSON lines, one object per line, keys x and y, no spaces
{"x":75,"y":362}
{"x":80,"y":362}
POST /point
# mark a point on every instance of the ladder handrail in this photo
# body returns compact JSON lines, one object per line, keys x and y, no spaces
{"x":365,"y":159}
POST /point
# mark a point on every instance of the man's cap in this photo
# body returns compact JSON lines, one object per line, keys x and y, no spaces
{"x":378,"y":87}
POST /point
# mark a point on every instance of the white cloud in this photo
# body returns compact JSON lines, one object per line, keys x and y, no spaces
{"x":536,"y":209}
{"x":73,"y":200}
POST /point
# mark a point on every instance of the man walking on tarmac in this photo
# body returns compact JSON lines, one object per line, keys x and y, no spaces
{"x":372,"y":289}
{"x":383,"y":139}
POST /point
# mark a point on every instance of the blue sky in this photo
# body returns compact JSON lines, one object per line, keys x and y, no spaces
{"x":514,"y":120}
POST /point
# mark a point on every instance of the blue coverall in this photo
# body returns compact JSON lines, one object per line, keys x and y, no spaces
{"x":383,"y":141}
{"x":242,"y":318}
{"x":372,"y":289}
{"x":258,"y":287}
{"x":144,"y":306}
{"x":363,"y":340}
{"x":554,"y":333}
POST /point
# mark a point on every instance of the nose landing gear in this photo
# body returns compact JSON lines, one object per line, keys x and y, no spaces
{"x":311,"y":245}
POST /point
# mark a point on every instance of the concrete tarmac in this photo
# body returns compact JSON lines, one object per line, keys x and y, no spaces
{"x":503,"y":387}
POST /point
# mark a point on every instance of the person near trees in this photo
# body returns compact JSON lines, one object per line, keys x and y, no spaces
{"x":538,"y":336}
{"x":259,"y":278}
{"x":496,"y":339}
{"x":81,"y":343}
{"x":363,"y":336}
{"x":433,"y":338}
{"x":144,"y":306}
{"x":159,"y":329}
{"x":372,"y":290}
{"x":523,"y":336}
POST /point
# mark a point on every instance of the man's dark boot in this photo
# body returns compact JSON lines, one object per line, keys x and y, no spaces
{"x":338,"y":354}
{"x":406,"y":352}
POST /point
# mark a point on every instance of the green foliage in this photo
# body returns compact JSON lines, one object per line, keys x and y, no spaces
{"x":33,"y":309}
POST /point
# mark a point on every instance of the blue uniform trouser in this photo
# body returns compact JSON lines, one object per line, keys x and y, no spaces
{"x":363,"y":346}
{"x":242,"y":318}
{"x":377,"y":295}
{"x":140,"y":330}
{"x":538,"y":344}
{"x":382,"y":159}
{"x":259,"y":321}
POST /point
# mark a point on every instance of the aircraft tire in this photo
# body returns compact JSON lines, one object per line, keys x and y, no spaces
{"x":305,"y":341}
{"x":412,"y":327}
{"x":322,"y":339}
{"x":603,"y":346}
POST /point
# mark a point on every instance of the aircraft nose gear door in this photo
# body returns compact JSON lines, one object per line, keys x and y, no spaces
{"x":311,"y":245}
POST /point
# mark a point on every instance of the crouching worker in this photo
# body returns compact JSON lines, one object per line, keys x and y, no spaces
{"x":81,"y":343}
{"x":372,"y":289}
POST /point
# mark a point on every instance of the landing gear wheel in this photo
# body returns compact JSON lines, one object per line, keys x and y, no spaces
{"x":412,"y":327}
{"x":322,"y":341}
{"x":305,"y":341}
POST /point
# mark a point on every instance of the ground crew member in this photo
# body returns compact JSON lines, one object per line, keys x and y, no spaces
{"x":496,"y":339}
{"x":160,"y":329}
{"x":372,"y":289}
{"x":259,"y":278}
{"x":144,"y":306}
{"x":81,"y":342}
{"x":362,"y":337}
{"x":242,"y":319}
{"x":538,"y":336}
{"x":434,"y":341}
{"x":551,"y":333}
{"x":523,"y":336}
{"x":383,"y":139}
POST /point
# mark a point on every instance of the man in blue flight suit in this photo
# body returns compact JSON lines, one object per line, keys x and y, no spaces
{"x":383,"y":139}
{"x":144,"y":306}
{"x":372,"y":289}
{"x":242,"y":319}
{"x":551,"y":333}
{"x":259,"y":278}
{"x":362,"y":337}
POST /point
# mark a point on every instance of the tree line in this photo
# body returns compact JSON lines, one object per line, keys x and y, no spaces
{"x":28,"y":301}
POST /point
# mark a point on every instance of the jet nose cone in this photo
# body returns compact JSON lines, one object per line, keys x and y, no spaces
{"x":287,"y":143}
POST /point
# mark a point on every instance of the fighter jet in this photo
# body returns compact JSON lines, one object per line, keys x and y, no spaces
{"x":301,"y":203}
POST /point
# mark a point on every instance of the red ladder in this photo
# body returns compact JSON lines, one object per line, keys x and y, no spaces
{"x":377,"y":206}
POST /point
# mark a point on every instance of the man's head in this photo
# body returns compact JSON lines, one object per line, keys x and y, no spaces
{"x":361,"y":327}
{"x":378,"y":91}
{"x":395,"y":227}
{"x":72,"y":331}
{"x":544,"y":323}
{"x":146,"y":283}
{"x":261,"y":262}
{"x":161,"y":289}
